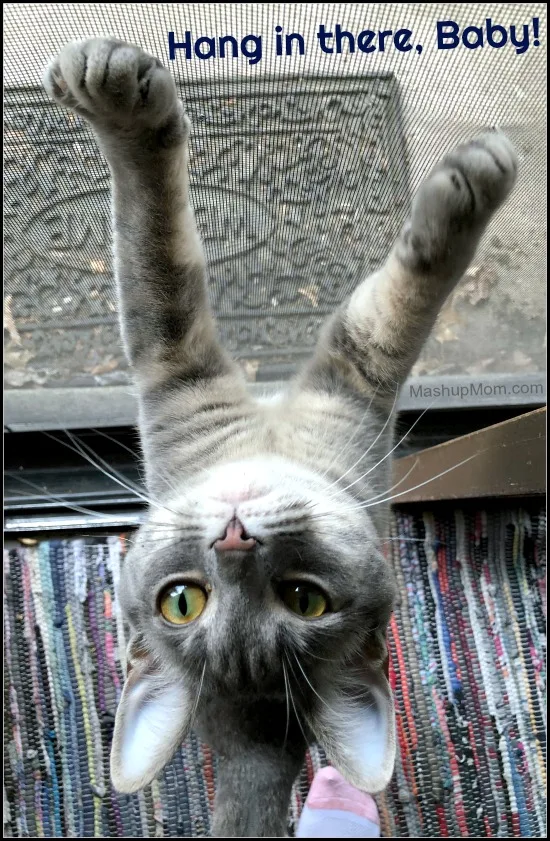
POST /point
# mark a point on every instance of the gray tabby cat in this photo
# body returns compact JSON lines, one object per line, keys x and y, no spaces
{"x":256,"y":591}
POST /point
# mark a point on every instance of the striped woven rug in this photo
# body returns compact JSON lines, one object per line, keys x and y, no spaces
{"x":468,"y":670}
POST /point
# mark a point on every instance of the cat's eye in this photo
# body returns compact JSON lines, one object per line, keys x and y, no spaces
{"x":304,"y":599}
{"x":181,"y":603}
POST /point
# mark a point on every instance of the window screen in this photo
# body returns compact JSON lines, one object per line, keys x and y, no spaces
{"x":303,"y":165}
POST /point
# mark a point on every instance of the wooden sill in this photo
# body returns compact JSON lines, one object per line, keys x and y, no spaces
{"x":504,"y":460}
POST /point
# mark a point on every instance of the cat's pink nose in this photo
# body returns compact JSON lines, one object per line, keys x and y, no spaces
{"x":235,"y":537}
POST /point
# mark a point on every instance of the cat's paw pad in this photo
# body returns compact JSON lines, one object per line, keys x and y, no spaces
{"x":475,"y":178}
{"x":458,"y":198}
{"x":113,"y":84}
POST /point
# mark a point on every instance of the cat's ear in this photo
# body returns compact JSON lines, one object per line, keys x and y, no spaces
{"x":152,"y":719}
{"x":356,"y":723}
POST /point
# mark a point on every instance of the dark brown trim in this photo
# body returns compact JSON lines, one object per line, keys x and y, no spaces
{"x":507,"y":459}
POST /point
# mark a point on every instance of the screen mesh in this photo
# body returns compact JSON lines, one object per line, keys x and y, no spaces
{"x":302,"y":169}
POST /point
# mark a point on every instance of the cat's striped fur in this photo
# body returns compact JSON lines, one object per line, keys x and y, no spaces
{"x":307,"y":474}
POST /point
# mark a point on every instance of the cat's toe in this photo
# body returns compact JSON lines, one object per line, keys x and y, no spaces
{"x":487,"y":166}
{"x":112,"y":83}
{"x":467,"y":186}
{"x":455,"y":202}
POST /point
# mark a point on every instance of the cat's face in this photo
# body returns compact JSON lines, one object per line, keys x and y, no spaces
{"x":305,"y":534}
{"x":297,"y":599}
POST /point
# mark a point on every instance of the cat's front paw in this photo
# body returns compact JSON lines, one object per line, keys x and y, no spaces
{"x":457,"y":200}
{"x":112,"y":84}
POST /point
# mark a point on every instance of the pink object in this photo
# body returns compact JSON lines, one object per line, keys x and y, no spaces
{"x":329,"y":790}
{"x":233,"y":538}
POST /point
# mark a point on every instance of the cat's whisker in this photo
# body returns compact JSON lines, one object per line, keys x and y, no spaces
{"x":396,"y":484}
{"x":388,"y":454}
{"x":312,"y":687}
{"x":306,"y":739}
{"x":359,"y":696}
{"x":84,"y":449}
{"x":164,"y":537}
{"x":184,"y":524}
{"x":158,"y":551}
{"x":196,"y":704}
{"x":426,"y":482}
{"x":408,"y":490}
{"x":309,"y":654}
{"x":367,"y":451}
{"x":287,"y":704}
{"x":129,"y":450}
{"x":110,"y":473}
{"x":347,"y":445}
{"x":80,"y":509}
{"x":166,"y":528}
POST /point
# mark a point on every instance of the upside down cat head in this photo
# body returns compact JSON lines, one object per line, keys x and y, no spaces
{"x":258,"y":600}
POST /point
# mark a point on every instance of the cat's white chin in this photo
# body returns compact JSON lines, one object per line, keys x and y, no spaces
{"x":260,"y":492}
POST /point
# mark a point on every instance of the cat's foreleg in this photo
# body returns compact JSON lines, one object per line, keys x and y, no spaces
{"x":375,"y":337}
{"x":131,"y":103}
